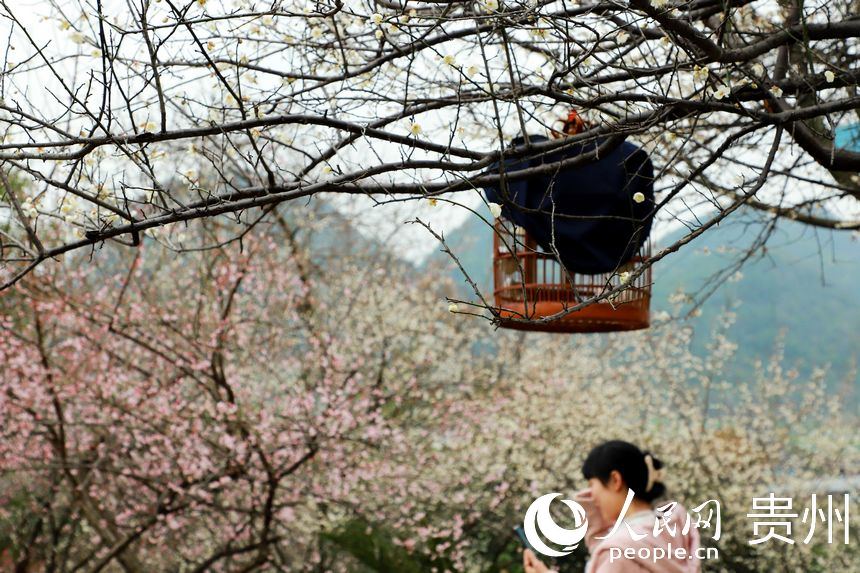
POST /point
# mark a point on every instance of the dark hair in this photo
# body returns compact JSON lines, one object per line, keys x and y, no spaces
{"x":629,"y":461}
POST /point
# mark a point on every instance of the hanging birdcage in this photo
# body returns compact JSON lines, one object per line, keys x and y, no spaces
{"x":530,"y":286}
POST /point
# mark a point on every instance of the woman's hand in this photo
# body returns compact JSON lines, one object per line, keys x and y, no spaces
{"x":532,"y":564}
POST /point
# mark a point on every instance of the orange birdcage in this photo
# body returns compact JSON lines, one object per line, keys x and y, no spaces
{"x":531,"y":285}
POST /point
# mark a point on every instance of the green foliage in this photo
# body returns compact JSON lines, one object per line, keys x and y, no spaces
{"x":373,"y":550}
{"x":17,"y":531}
{"x":18,"y":183}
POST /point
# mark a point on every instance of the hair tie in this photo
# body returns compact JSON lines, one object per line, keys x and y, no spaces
{"x":654,"y":475}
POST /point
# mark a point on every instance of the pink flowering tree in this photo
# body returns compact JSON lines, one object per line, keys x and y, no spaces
{"x":222,"y":405}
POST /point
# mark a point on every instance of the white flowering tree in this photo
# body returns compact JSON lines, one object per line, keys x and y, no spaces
{"x":122,"y":119}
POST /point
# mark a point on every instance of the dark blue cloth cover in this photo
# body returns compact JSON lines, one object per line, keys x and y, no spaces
{"x":614,"y":226}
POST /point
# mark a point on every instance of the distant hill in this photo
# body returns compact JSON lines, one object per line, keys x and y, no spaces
{"x":806,"y":284}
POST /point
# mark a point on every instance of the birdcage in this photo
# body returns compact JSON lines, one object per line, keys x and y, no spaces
{"x":531,"y":286}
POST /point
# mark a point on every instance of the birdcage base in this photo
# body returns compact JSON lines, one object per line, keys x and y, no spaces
{"x":598,"y":317}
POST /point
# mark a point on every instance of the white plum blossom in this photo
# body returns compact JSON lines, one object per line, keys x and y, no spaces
{"x":452,"y":307}
{"x":624,"y":277}
{"x":722,"y":92}
{"x":758,"y":69}
{"x":678,"y":297}
{"x":638,"y":197}
{"x":496,"y":210}
{"x":542,"y":33}
{"x":662,"y":316}
{"x":700,"y":73}
{"x":29,"y":208}
{"x":376,"y":18}
{"x":776,"y":91}
{"x":829,"y":76}
{"x":415,"y":129}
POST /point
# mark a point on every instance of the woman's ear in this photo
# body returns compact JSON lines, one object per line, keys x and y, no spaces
{"x":615,"y":481}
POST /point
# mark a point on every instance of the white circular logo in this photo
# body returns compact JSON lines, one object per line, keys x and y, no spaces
{"x":538,"y":517}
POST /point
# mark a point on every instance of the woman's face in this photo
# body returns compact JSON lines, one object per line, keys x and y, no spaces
{"x":609,"y":497}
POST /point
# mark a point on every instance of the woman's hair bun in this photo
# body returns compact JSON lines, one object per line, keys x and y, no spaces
{"x":657,"y":463}
{"x":654,"y":476}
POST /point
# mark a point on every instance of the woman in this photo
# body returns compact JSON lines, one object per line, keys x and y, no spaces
{"x":635,"y":544}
